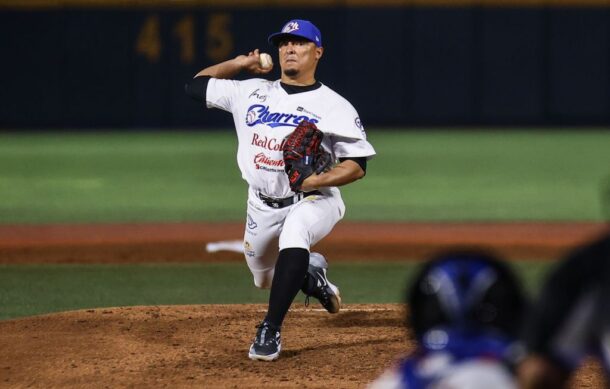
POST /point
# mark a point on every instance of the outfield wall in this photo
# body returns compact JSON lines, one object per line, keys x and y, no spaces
{"x":123,"y":64}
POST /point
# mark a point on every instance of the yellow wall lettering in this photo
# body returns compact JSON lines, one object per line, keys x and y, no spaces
{"x":185,"y":32}
{"x":219,"y":38}
{"x":148,"y":42}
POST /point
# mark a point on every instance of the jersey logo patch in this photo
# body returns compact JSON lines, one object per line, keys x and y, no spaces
{"x":255,"y":94}
{"x":248,"y":250}
{"x":358,"y":124}
{"x":271,"y":144}
{"x":301,"y":109}
{"x":251,"y":223}
{"x":260,"y":114}
{"x":263,"y":162}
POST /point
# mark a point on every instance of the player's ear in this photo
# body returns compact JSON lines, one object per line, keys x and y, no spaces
{"x":319,"y":52}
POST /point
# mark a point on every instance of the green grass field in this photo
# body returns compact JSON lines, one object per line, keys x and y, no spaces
{"x":185,"y":176}
{"x":419,"y":175}
{"x":27,"y":290}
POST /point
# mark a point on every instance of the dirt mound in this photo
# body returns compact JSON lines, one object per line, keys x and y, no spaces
{"x":203,"y":346}
{"x":197,"y":346}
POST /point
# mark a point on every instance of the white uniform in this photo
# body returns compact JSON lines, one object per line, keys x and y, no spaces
{"x":264,"y":114}
{"x":474,"y":374}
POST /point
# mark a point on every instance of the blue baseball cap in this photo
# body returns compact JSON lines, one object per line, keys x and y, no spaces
{"x":297,"y":27}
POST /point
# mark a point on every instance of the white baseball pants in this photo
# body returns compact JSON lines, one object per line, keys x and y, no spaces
{"x":269,"y":230}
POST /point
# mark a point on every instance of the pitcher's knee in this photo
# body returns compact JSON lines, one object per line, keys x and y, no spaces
{"x":263,"y":281}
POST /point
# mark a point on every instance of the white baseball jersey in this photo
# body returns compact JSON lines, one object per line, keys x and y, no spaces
{"x":264,"y":114}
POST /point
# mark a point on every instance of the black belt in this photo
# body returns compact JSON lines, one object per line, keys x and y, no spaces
{"x":281,"y":203}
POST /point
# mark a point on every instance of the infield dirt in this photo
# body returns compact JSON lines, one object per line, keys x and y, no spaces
{"x":182,"y":242}
{"x":206,"y":345}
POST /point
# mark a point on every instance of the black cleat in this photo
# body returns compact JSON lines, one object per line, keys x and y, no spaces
{"x":318,"y":286}
{"x":267,"y":343}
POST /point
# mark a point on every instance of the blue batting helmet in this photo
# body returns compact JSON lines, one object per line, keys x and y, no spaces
{"x":466,"y":289}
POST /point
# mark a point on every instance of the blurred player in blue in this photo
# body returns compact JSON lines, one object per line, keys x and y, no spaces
{"x":571,"y":318}
{"x":465,"y":308}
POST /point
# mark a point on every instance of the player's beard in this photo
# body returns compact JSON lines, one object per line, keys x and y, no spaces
{"x":291,"y":72}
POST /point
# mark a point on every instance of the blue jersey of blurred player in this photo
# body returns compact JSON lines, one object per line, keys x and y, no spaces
{"x":465,"y":312}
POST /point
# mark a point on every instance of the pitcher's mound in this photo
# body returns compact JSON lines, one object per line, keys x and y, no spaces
{"x":205,"y":346}
{"x":199,"y":346}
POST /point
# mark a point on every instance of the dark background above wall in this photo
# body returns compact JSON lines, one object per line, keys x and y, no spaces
{"x":399,"y":66}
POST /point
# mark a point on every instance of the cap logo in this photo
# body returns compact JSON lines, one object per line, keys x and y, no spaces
{"x":290,"y":27}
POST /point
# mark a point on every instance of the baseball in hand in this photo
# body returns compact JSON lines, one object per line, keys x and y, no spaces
{"x":265,"y":60}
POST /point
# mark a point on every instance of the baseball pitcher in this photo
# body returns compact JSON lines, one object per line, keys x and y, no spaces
{"x":298,"y":140}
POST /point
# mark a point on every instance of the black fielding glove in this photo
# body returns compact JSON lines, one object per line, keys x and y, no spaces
{"x":304,"y":155}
